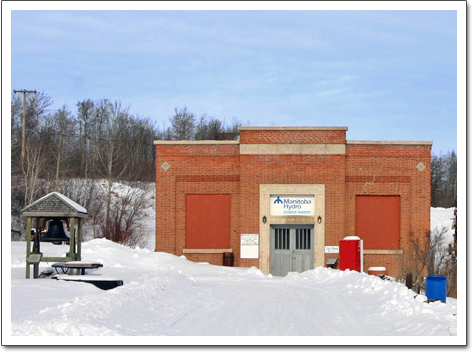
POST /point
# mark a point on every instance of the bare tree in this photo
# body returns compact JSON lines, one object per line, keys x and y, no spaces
{"x":183,"y":125}
{"x":62,"y":129}
{"x":451,"y":177}
{"x":140,"y":151}
{"x":16,"y":120}
{"x":35,"y":161}
{"x":86,"y":112}
{"x":36,"y":107}
{"x":26,"y":176}
{"x":208,"y":128}
{"x":444,"y":180}
{"x":427,"y":255}
{"x":111,"y":152}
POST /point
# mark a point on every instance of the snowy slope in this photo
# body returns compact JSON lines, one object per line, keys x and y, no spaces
{"x":442,"y":218}
{"x":168,"y":296}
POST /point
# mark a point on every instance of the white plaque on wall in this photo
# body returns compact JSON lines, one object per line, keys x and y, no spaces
{"x":289,"y":205}
{"x":250,"y":246}
{"x":331,"y":249}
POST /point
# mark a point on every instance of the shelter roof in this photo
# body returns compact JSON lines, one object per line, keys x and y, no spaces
{"x":55,"y":205}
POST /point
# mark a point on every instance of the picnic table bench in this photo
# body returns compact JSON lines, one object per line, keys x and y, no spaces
{"x":64,"y":267}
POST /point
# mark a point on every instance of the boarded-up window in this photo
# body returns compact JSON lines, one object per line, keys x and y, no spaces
{"x":207,"y":221}
{"x":378,"y":221}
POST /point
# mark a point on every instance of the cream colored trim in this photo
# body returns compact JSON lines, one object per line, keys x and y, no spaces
{"x":318,"y":190}
{"x":249,"y":149}
{"x":194,"y":142}
{"x":335,"y":149}
{"x":255,"y":149}
{"x":383,"y":251}
{"x":391,"y":142}
{"x":286,"y":148}
{"x":206,"y":251}
{"x":268,"y":149}
{"x":279,"y":128}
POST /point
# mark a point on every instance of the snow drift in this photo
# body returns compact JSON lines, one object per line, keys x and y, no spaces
{"x":167,"y":299}
{"x":168,"y":295}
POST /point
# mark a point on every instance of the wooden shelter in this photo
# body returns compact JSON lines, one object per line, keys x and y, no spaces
{"x":53,"y":206}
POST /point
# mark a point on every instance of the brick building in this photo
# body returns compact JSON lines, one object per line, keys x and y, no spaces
{"x":281,"y":198}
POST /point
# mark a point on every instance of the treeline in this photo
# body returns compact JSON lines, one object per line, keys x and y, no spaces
{"x":444,"y":180}
{"x":97,"y":139}
{"x":102,"y":139}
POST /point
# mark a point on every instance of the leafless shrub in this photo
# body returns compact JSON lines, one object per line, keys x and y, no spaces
{"x":127,"y":210}
{"x":429,"y":255}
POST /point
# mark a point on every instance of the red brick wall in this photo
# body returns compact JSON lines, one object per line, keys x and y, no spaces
{"x":293,"y":169}
{"x":194,"y":169}
{"x":374,"y":169}
{"x":366,"y":169}
{"x":293,"y":137}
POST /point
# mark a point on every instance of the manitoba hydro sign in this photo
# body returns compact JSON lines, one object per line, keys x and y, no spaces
{"x":285,"y":204}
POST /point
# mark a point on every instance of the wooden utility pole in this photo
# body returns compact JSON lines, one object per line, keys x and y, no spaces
{"x":24,"y":91}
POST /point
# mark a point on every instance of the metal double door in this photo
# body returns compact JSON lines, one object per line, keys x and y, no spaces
{"x":291,"y":249}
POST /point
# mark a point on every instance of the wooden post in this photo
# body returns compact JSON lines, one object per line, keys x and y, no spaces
{"x":38,"y":235}
{"x":72,"y":241}
{"x":35,"y":270}
{"x":409,"y":280}
{"x":28,"y":245}
{"x":79,"y":239}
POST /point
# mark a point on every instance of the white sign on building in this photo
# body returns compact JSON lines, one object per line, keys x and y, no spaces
{"x":286,"y":204}
{"x":250,"y":246}
{"x":331,"y":249}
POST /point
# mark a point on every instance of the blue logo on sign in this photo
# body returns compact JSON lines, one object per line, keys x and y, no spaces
{"x":278,"y":201}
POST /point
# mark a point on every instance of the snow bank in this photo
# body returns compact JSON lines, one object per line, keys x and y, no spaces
{"x":441,"y":221}
{"x":168,"y":297}
{"x":165,"y":295}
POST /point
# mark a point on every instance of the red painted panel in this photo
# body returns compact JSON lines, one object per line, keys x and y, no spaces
{"x":207,"y":221}
{"x":378,"y":221}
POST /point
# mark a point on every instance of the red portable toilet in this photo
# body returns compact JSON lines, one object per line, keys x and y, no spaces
{"x":350,"y":254}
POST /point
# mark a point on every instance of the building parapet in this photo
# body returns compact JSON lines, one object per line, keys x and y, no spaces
{"x":202,"y":142}
{"x":279,"y":128}
{"x":390,"y":142}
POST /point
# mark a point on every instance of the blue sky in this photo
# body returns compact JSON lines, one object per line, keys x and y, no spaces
{"x":387,"y":75}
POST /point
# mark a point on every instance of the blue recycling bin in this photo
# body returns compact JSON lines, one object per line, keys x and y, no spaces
{"x":436,"y":286}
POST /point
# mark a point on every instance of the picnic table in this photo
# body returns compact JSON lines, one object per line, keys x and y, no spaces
{"x":79,"y":265}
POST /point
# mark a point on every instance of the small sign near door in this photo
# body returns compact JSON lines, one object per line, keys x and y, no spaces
{"x":250,"y":246}
{"x":331,"y":249}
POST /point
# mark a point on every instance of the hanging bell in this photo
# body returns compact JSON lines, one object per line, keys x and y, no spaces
{"x":55,"y":232}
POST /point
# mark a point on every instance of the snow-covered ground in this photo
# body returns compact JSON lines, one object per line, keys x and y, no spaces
{"x":442,"y":218}
{"x":169,"y":300}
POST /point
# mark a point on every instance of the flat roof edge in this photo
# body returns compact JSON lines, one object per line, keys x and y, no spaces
{"x":203,"y":142}
{"x":391,"y":142}
{"x":279,"y":128}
